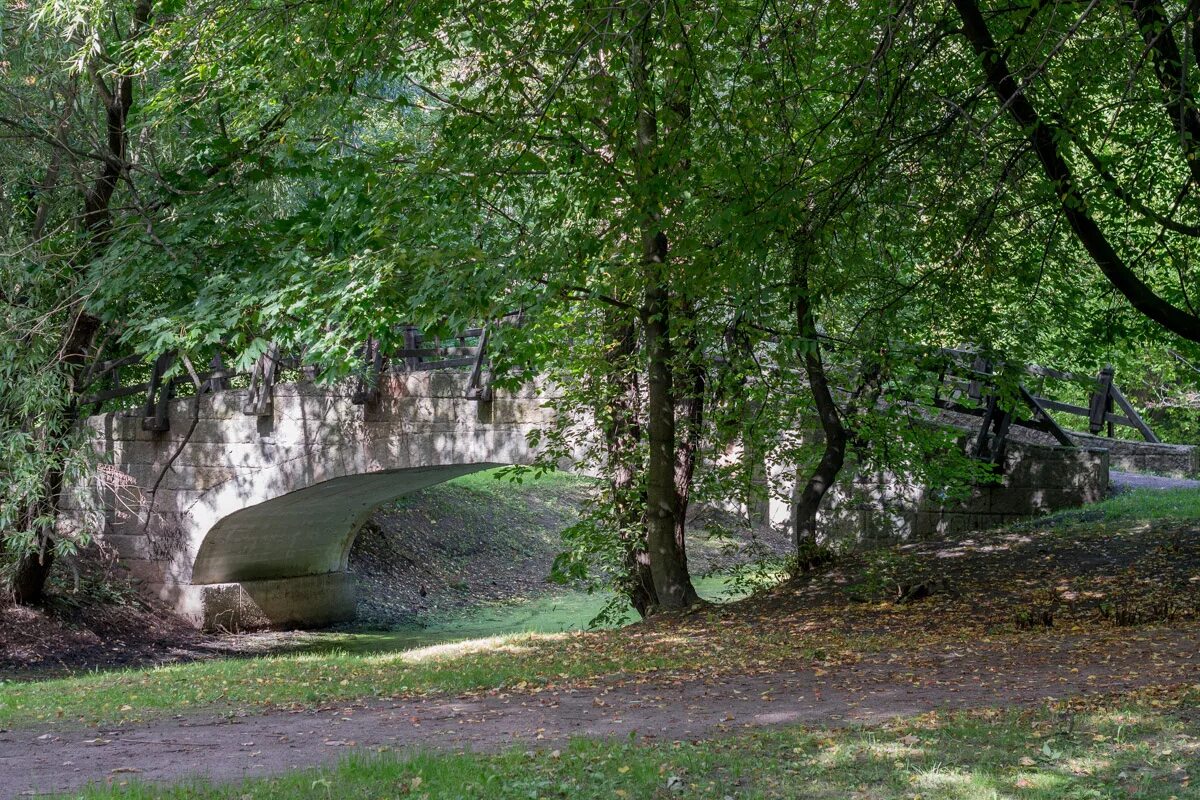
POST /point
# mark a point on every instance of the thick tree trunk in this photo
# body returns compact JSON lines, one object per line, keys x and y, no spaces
{"x":668,"y":565}
{"x":29,"y":577}
{"x":668,"y":562}
{"x":32,"y":568}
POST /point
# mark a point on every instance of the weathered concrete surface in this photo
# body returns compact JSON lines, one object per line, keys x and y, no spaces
{"x":306,"y":601}
{"x":881,"y":507}
{"x":1035,"y":480}
{"x":1125,"y":455}
{"x":242,"y":521}
{"x":1127,"y":481}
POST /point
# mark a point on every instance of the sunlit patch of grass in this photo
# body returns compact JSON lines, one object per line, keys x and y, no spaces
{"x":1139,"y":504}
{"x":253,"y":685}
{"x":962,"y":756}
{"x":941,"y":778}
{"x":513,"y":644}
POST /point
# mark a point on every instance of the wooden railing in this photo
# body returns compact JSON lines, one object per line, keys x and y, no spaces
{"x":970,"y":376}
{"x":467,"y":349}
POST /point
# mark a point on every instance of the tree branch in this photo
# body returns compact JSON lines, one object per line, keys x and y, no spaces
{"x":1045,"y":143}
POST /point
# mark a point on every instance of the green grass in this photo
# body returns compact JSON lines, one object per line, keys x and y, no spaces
{"x":1141,"y":750}
{"x":488,"y":647}
{"x":376,"y":665}
{"x":354,"y":666}
{"x":553,"y":613}
{"x":500,"y":481}
{"x":307,"y":678}
{"x":1139,"y":504}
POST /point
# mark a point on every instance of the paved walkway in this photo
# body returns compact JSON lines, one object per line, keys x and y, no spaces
{"x":1124,"y":481}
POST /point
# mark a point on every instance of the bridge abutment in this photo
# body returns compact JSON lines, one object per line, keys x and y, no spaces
{"x":305,"y":601}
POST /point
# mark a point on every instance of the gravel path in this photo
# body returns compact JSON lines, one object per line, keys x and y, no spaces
{"x":1124,"y":481}
{"x":661,"y":708}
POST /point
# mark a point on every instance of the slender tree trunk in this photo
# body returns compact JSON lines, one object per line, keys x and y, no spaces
{"x":668,"y":565}
{"x":692,"y":434}
{"x":50,"y":183}
{"x":623,"y":434}
{"x":808,"y":503}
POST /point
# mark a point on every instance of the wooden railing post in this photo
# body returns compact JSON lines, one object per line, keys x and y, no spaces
{"x":155,"y":413}
{"x":259,"y":398}
{"x":367,"y":391}
{"x":1101,"y":402}
{"x":216,"y":383}
{"x":411,"y":341}
{"x":476,"y":387}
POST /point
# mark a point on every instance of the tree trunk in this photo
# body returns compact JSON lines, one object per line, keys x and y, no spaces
{"x":692,"y":434}
{"x":668,"y":565}
{"x":29,"y":578}
{"x":668,"y":562}
{"x":808,"y":503}
{"x":96,"y":223}
{"x":623,"y":436}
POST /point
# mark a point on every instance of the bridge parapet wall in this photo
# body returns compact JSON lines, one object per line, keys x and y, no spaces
{"x":1125,"y":455}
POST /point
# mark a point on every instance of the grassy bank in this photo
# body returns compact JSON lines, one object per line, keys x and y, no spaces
{"x":1075,"y":570}
{"x":1148,"y":747}
{"x":257,"y":684}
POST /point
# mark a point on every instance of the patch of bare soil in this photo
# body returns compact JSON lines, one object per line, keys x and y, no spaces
{"x":93,"y":618}
{"x":1043,"y":574}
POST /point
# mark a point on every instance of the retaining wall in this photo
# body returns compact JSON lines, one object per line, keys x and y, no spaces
{"x":882,"y":506}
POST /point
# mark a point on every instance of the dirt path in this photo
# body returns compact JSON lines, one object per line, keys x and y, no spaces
{"x":666,"y":708}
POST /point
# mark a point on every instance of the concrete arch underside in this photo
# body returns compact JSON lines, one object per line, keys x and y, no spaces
{"x":283,"y":562}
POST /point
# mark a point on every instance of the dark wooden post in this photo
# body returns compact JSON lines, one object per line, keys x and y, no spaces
{"x":411,"y":342}
{"x":154,"y":413}
{"x":259,"y":399}
{"x":476,"y":388}
{"x":217,"y":383}
{"x":367,"y":391}
{"x":1101,"y":402}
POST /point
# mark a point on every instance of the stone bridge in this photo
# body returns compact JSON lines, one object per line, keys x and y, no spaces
{"x":242,"y":520}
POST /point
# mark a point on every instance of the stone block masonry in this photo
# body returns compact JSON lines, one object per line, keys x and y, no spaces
{"x":242,"y":521}
{"x":883,"y":507}
{"x":1125,"y":455}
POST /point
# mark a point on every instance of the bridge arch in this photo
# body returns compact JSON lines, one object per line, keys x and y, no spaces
{"x":247,"y":520}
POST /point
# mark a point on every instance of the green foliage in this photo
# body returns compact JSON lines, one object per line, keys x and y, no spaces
{"x":38,"y":450}
{"x":321,"y":174}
